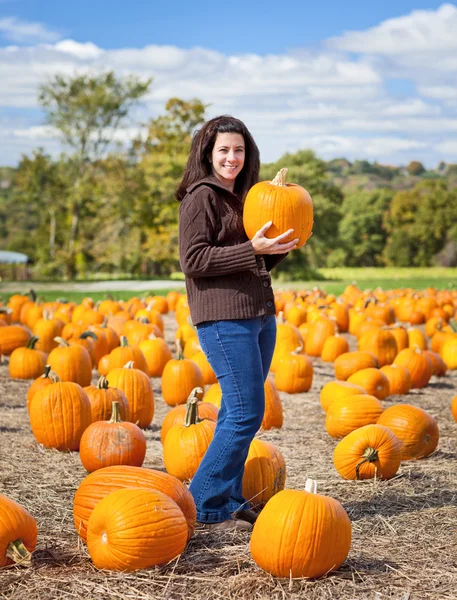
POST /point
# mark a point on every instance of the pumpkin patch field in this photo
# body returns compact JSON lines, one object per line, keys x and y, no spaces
{"x":106,"y":409}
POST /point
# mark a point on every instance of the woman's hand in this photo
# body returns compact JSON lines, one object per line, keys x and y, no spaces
{"x":264,"y":245}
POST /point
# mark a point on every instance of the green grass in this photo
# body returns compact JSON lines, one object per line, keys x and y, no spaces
{"x":77,"y":297}
{"x":389,"y":278}
{"x":335,"y":282}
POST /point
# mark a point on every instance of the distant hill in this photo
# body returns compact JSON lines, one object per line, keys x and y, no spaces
{"x":363,"y":175}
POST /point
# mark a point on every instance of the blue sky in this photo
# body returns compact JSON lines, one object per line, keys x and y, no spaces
{"x":356,"y":79}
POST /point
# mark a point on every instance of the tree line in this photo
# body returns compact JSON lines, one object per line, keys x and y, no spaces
{"x":103,"y":208}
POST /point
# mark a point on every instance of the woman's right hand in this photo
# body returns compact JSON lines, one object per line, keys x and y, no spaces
{"x":264,"y":245}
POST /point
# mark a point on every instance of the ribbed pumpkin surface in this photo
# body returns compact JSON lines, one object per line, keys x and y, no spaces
{"x":134,"y":529}
{"x":299,"y":534}
{"x":99,"y":484}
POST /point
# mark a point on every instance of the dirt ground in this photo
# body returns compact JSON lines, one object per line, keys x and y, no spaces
{"x":404,"y":530}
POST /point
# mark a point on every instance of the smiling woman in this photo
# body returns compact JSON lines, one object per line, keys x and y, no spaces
{"x":231,"y":303}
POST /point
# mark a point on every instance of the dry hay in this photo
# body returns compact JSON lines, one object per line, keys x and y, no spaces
{"x":404,"y":530}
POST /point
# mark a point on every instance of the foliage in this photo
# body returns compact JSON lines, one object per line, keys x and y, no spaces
{"x":419,"y":223}
{"x":361,"y":232}
{"x":87,"y":111}
{"x":415,"y":168}
{"x":103,"y":209}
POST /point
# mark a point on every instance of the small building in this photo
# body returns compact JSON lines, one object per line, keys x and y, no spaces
{"x":14,"y":266}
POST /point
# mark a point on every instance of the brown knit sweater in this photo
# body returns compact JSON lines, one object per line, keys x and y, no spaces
{"x":224,"y":278}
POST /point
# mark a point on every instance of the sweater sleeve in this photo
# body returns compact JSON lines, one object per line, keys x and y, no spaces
{"x":197,"y":230}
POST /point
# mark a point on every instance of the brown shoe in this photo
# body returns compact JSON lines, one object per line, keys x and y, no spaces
{"x":228,"y":525}
{"x":245,"y":514}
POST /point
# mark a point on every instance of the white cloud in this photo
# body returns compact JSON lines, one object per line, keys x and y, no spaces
{"x":419,"y":31}
{"x":327,"y":99}
{"x":16,"y":30}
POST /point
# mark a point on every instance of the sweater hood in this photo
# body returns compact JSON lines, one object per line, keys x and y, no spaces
{"x":212,"y":182}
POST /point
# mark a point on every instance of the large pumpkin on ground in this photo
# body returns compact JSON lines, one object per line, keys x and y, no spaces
{"x":414,"y":427}
{"x":59,"y":414}
{"x":301,"y":534}
{"x":367,"y":452}
{"x":287,"y":205}
{"x":135,"y":528}
{"x":102,"y":482}
{"x":18,"y":533}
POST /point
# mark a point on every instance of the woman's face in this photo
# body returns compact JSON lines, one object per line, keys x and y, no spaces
{"x":227,"y":157}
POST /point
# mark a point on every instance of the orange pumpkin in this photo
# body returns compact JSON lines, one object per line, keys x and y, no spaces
{"x":399,"y":378}
{"x":18,"y":533}
{"x":177,"y":415}
{"x":102,"y":482}
{"x":28,"y":362}
{"x":301,"y":534}
{"x":180,"y":376}
{"x":286,"y":205}
{"x":373,"y":381}
{"x":370,"y":451}
{"x":12,"y":337}
{"x":101,"y":398}
{"x":418,"y":365}
{"x":59,"y":414}
{"x":185,"y":445}
{"x":71,"y":362}
{"x":138,"y":390}
{"x":113,"y":442}
{"x":350,"y":362}
{"x":264,"y":473}
{"x":352,"y":412}
{"x":273,"y":415}
{"x":134,"y":529}
{"x":157,"y":354}
{"x":335,"y":390}
{"x":414,"y":427}
{"x":294,"y":373}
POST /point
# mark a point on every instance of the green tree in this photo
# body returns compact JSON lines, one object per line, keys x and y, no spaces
{"x":361,"y":231}
{"x":308,"y":171}
{"x":415,"y":168}
{"x":419,"y":223}
{"x":87,"y":110}
{"x":162,"y":157}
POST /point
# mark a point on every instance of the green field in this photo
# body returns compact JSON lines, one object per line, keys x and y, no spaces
{"x":335,"y":282}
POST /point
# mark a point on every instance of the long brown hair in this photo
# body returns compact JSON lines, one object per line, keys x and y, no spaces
{"x":198,"y":164}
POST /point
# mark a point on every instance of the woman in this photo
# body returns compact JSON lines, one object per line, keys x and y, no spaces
{"x":231,"y":303}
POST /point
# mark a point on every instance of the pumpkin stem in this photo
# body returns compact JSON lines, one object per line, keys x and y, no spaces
{"x":281,"y":317}
{"x":47,"y":370}
{"x":129,"y":365}
{"x":179,"y":349}
{"x":192,"y":407}
{"x":123,"y":341}
{"x":370,"y":455}
{"x":280,"y":179}
{"x":32,"y":342}
{"x":53,"y":375}
{"x":311,"y":486}
{"x":102,"y":383}
{"x":87,"y":334}
{"x":115,"y":414}
{"x":62,"y":343}
{"x":18,"y":553}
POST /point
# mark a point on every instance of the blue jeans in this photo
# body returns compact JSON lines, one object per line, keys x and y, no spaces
{"x":240,"y":352}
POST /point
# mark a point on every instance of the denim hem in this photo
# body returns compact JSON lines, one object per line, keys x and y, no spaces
{"x":213,"y":517}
